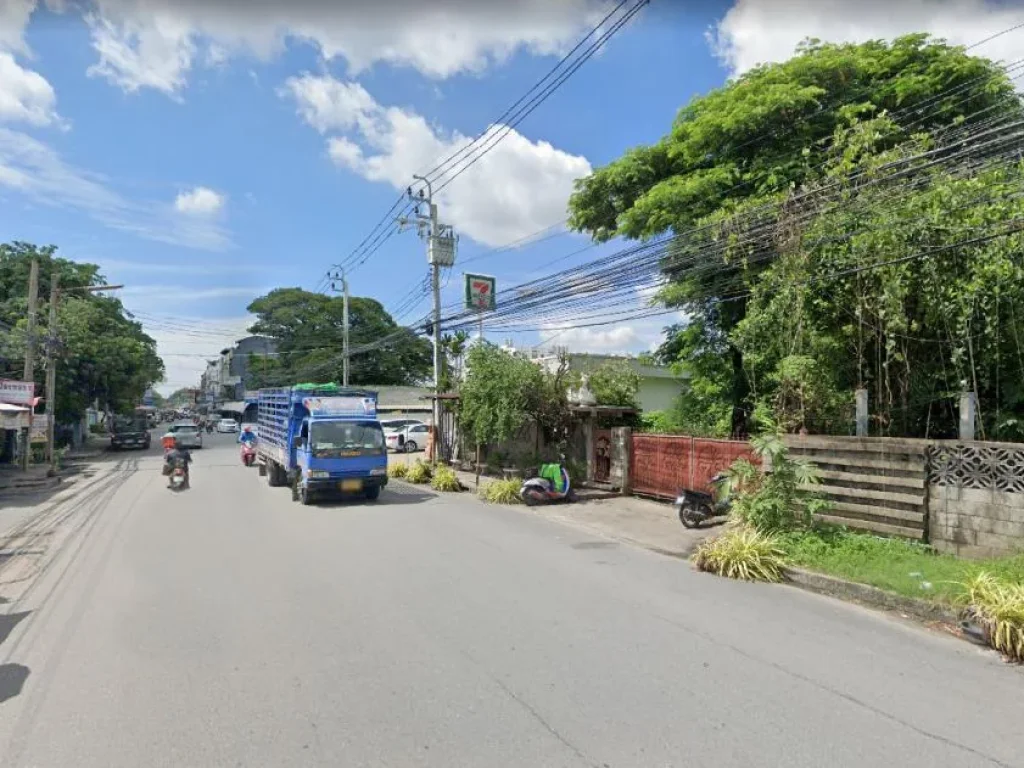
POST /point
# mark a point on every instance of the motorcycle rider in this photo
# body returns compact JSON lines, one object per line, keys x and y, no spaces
{"x":177,"y":453}
{"x":247,"y":436}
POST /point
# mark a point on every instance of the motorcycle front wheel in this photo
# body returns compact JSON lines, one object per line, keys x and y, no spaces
{"x":691,"y":516}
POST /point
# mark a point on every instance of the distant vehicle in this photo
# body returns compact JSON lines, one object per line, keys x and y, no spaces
{"x":396,"y":425}
{"x":321,"y":439}
{"x":227,"y":425}
{"x":187,"y":434}
{"x":408,"y":439}
{"x":130,"y":430}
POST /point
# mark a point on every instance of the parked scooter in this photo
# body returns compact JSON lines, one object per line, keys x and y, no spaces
{"x":544,"y":489}
{"x":695,"y":507}
{"x":248,"y":454}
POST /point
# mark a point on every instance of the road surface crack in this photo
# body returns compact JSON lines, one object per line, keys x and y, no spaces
{"x":540,"y":719}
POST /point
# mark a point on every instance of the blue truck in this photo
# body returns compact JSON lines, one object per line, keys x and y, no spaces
{"x":321,"y":440}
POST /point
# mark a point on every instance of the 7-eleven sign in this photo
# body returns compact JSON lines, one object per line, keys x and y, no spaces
{"x":480,"y":292}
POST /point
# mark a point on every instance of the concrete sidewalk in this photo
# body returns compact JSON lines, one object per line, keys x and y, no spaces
{"x":649,"y":524}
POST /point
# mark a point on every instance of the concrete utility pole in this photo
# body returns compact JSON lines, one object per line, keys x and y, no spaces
{"x":30,"y":356}
{"x":440,"y":253}
{"x":339,"y":275}
{"x":51,"y":366}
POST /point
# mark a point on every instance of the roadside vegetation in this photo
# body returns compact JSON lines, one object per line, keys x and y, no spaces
{"x":773,"y":527}
{"x":501,"y":492}
{"x":444,"y":479}
{"x":418,"y":472}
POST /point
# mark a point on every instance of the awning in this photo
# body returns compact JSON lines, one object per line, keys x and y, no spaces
{"x":9,"y":408}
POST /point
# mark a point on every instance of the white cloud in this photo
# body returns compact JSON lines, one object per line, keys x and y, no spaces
{"x":518,"y":187}
{"x":14,"y":16}
{"x":152,"y":49}
{"x":37,"y":172}
{"x":156,"y":43}
{"x":761,"y":31}
{"x":25,"y":96}
{"x":200,"y":201}
{"x":619,"y":339}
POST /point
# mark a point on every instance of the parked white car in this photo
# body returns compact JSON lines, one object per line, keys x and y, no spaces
{"x":409,"y":439}
{"x":227,"y":425}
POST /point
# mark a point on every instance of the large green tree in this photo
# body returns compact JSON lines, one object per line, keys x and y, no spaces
{"x":103,"y":354}
{"x":751,"y":142}
{"x":308,"y":330}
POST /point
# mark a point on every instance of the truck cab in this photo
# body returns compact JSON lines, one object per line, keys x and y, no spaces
{"x":321,"y":440}
{"x":130,"y":430}
{"x":340,"y":455}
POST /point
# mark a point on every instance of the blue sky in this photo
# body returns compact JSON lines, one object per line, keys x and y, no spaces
{"x":203,"y":154}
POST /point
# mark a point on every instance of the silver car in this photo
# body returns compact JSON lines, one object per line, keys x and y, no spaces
{"x":187,"y":434}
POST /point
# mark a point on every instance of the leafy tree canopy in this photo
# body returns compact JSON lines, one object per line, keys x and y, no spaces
{"x":103,"y":354}
{"x":308,"y":329}
{"x":769,"y":130}
{"x":754,"y":141}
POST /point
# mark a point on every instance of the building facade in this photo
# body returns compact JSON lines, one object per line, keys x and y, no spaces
{"x":659,"y":385}
{"x":227,"y":377}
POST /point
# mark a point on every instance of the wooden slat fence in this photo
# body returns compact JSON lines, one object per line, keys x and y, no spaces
{"x":874,"y":484}
{"x":662,"y":465}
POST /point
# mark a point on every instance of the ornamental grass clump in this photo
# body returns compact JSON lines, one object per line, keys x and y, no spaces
{"x":501,"y":492}
{"x":742,"y":553}
{"x":398,"y":471}
{"x":418,"y":473}
{"x":998,"y":608}
{"x":445,"y":479}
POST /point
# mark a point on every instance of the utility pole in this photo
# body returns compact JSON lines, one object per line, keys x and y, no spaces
{"x":339,"y":275}
{"x":30,"y":356}
{"x":440,"y":253}
{"x":51,"y":366}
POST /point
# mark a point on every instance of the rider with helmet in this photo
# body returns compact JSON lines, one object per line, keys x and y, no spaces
{"x":172,"y":457}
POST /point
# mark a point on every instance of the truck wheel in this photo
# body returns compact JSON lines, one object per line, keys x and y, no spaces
{"x":295,"y":491}
{"x":271,"y":474}
{"x":373,"y":493}
{"x":305,"y":497}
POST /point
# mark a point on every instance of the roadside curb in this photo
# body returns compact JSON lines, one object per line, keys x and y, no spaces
{"x":851,"y":591}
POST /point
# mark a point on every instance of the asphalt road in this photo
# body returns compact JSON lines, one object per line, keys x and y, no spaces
{"x":228,"y":626}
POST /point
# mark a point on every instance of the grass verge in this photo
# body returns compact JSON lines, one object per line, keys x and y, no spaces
{"x":904,"y":567}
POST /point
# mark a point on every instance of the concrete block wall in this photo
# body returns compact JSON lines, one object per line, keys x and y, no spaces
{"x":975,"y":522}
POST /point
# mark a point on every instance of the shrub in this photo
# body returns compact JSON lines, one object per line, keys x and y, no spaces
{"x":398,"y":470}
{"x":418,"y":473}
{"x":444,"y":479}
{"x":501,"y":492}
{"x":998,"y":607}
{"x":773,"y":501}
{"x":742,"y":553}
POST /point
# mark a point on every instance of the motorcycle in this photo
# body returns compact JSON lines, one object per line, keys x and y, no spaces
{"x":179,"y":479}
{"x":209,"y":428}
{"x":695,"y":507}
{"x":542,"y":490}
{"x":248,"y":454}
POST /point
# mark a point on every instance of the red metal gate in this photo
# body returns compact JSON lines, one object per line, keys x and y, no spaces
{"x":662,"y":465}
